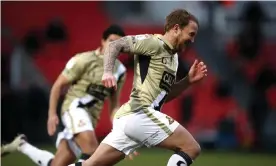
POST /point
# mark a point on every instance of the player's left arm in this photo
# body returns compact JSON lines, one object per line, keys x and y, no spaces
{"x":114,"y":100}
{"x":197,"y":72}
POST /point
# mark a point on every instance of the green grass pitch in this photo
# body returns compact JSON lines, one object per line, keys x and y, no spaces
{"x":159,"y":157}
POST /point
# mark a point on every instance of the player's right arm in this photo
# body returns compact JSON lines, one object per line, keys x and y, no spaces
{"x":53,"y":121}
{"x":139,"y":45}
{"x":72,"y":71}
{"x":196,"y":73}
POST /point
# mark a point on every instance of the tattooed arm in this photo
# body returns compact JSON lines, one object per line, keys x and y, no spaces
{"x":135,"y":45}
{"x":112,"y":51}
{"x":139,"y":45}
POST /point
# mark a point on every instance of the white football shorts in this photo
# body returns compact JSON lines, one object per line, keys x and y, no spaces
{"x":75,"y":120}
{"x":147,"y":127}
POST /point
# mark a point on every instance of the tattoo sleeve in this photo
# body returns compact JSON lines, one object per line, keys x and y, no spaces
{"x":112,"y":51}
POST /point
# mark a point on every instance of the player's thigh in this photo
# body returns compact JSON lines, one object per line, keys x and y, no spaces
{"x":150,"y":127}
{"x":105,"y":155}
{"x":64,"y":156}
{"x":78,"y":122}
{"x":181,"y":139}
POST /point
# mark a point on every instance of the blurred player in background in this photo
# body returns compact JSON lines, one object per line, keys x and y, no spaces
{"x":80,"y":109}
{"x":139,"y":121}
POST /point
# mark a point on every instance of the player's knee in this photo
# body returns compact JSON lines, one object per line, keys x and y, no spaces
{"x":87,"y":142}
{"x":89,"y":149}
{"x":196,"y":150}
{"x":193,"y":150}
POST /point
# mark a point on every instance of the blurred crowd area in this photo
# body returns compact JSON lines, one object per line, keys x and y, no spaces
{"x":233,"y":108}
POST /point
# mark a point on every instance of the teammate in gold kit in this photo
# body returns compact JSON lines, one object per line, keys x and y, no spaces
{"x":81,"y":107}
{"x":139,"y":121}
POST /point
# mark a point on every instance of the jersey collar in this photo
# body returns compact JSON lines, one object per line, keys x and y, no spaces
{"x":167,"y":45}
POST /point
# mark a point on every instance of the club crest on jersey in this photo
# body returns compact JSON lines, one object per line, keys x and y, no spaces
{"x":167,"y":81}
{"x":166,"y":60}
